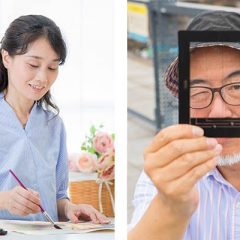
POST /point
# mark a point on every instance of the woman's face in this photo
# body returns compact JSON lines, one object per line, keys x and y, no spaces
{"x":31,"y":75}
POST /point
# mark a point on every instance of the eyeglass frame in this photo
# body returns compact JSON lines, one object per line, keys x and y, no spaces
{"x":213,"y":91}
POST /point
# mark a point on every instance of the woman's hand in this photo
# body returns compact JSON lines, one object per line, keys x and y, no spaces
{"x":20,"y":201}
{"x":175,"y":160}
{"x":85,"y":212}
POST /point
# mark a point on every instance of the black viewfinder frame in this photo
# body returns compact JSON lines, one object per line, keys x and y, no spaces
{"x":213,"y":127}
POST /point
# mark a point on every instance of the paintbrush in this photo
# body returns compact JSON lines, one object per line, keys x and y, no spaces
{"x":42,"y":210}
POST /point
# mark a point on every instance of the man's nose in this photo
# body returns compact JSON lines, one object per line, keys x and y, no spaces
{"x":218,"y":108}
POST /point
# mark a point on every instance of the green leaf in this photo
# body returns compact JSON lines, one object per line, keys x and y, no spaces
{"x":91,"y":150}
{"x":113,"y":136}
{"x":93,"y":130}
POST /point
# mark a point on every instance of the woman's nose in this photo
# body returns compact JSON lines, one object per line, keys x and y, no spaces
{"x":218,"y":108}
{"x":42,"y":77}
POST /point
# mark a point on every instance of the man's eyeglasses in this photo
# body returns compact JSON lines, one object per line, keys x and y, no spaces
{"x":202,"y":97}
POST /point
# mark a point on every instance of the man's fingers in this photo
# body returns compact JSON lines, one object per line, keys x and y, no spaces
{"x":195,"y":174}
{"x":171,"y":133}
{"x":177,"y":148}
{"x":180,"y":188}
{"x":185,"y":163}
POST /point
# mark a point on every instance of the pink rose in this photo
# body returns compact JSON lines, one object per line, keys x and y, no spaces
{"x":107,"y":173}
{"x":106,"y":165}
{"x":72,"y":158}
{"x":106,"y":159}
{"x":102,"y":142}
{"x":87,"y":162}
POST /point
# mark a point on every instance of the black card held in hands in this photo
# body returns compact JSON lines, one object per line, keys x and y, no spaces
{"x":209,"y":81}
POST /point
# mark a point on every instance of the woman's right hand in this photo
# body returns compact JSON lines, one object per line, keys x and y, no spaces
{"x":20,"y":201}
{"x":176,"y":159}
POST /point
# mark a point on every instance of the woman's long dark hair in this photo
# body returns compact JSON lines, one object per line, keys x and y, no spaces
{"x":25,"y":30}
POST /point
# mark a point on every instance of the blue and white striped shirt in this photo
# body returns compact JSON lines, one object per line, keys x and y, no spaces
{"x":37,"y":154}
{"x":217,"y":216}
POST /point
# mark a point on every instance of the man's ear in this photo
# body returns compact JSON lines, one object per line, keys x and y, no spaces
{"x":6,"y":58}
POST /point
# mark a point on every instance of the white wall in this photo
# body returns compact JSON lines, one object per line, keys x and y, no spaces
{"x":84,"y":90}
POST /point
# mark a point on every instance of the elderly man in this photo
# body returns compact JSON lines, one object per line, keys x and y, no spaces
{"x":190,"y":187}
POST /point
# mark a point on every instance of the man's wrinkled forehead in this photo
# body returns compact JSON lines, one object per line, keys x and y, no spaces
{"x":218,"y":62}
{"x":204,"y":51}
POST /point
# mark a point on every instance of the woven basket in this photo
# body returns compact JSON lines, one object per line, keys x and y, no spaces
{"x":86,"y":192}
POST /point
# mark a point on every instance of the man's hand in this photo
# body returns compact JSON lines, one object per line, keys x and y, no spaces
{"x":175,"y":160}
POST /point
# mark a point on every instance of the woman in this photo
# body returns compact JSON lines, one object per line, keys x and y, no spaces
{"x":33,"y":142}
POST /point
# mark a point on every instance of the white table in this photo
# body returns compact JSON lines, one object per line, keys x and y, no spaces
{"x":101,"y":235}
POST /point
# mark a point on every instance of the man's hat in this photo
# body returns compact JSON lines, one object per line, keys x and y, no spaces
{"x":207,"y":21}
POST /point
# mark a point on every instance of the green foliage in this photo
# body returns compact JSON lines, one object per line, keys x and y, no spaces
{"x":93,"y":130}
{"x":113,"y":136}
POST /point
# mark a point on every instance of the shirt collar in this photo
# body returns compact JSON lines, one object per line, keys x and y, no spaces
{"x":217,"y":176}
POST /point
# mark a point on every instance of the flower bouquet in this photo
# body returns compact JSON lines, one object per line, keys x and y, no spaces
{"x":98,"y":158}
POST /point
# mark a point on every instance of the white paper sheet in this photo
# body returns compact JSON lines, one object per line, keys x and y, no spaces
{"x":45,"y":228}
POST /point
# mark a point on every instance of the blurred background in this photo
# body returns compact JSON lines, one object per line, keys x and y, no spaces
{"x":152,"y":45}
{"x":84,"y":90}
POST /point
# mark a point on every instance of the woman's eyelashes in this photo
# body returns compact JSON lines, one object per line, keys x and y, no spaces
{"x":33,"y":65}
{"x":37,"y":66}
{"x":53,"y":68}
